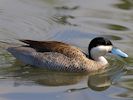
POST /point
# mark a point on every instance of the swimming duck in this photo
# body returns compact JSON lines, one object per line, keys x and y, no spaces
{"x":60,"y":56}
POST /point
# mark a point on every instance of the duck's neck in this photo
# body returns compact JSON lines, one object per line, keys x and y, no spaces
{"x":100,"y":60}
{"x":94,"y":65}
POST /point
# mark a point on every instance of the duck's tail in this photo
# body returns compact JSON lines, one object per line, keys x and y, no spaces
{"x":6,"y":45}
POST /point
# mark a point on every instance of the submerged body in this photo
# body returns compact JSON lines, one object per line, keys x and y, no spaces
{"x":59,"y":56}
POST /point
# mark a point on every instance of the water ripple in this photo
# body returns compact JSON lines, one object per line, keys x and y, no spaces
{"x":125,"y":4}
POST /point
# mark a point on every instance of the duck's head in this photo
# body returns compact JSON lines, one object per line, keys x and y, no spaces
{"x":100,"y":46}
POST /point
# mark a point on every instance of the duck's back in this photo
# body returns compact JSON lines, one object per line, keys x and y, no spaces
{"x":54,"y":46}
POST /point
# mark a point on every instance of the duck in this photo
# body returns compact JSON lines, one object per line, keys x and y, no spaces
{"x":59,"y":56}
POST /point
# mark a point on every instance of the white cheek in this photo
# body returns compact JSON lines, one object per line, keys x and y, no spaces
{"x":100,"y":51}
{"x":108,"y":48}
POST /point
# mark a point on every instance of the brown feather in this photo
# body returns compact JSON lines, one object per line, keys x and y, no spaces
{"x":54,"y":46}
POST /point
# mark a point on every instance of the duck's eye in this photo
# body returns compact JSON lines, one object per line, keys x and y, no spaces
{"x":109,"y":51}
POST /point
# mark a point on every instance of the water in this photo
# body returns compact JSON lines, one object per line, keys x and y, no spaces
{"x":75,"y":22}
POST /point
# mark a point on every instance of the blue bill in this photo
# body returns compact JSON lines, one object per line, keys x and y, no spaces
{"x":118,"y":52}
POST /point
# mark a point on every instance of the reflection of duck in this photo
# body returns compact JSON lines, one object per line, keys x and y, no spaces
{"x":64,"y":57}
{"x":103,"y":79}
{"x":58,"y":79}
{"x":96,"y":82}
{"x":29,"y":75}
{"x":99,"y":82}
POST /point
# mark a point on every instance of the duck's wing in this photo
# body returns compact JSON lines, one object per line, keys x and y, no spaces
{"x":44,"y":46}
{"x":54,"y":46}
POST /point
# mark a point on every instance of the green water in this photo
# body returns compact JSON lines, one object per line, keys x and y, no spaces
{"x":75,"y":22}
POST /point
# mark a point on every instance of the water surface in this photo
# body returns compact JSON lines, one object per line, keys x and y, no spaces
{"x":75,"y":22}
